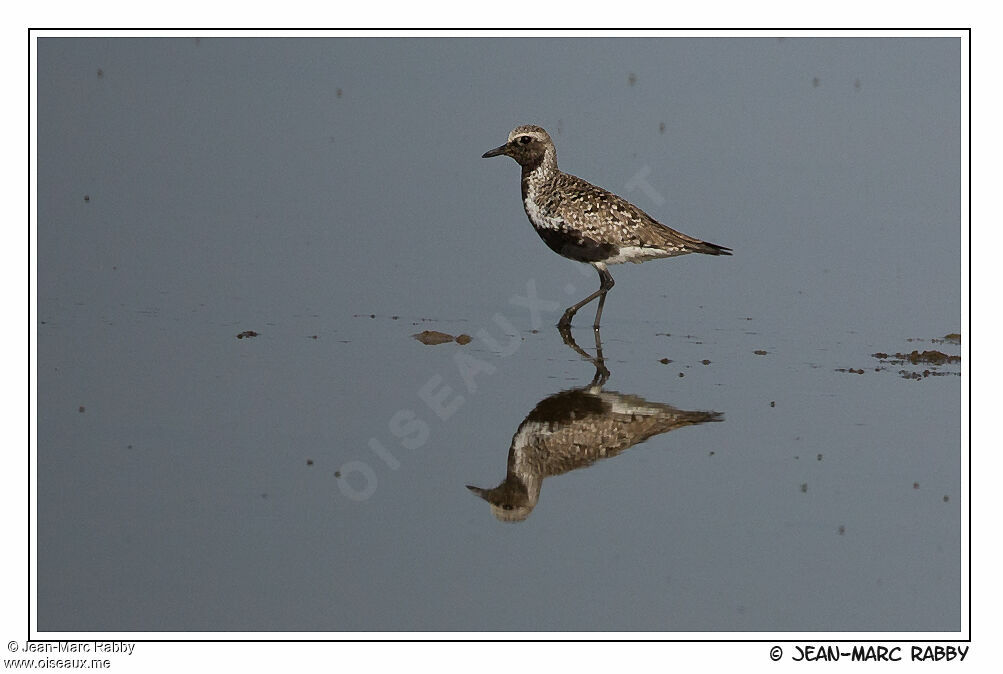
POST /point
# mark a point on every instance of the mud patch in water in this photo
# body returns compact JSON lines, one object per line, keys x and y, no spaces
{"x":934,"y":359}
{"x":433,"y":337}
{"x":916,"y":357}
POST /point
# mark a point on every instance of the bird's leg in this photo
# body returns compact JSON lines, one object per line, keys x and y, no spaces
{"x":565,"y":321}
{"x":605,"y":283}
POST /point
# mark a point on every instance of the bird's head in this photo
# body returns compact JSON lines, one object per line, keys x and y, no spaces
{"x":528,"y":144}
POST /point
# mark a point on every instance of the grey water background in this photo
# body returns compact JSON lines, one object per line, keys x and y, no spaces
{"x":329,"y":194}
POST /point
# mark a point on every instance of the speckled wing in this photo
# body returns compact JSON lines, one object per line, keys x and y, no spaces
{"x":610,"y":218}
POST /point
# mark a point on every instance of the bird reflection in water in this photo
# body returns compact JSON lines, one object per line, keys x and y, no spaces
{"x":574,"y":429}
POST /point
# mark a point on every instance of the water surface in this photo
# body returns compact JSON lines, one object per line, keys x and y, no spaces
{"x":329,"y":195}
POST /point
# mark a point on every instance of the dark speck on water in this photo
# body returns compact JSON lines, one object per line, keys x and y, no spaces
{"x":759,"y":352}
{"x":247,"y":333}
{"x":81,"y":409}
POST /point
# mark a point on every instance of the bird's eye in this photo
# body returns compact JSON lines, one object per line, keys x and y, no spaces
{"x":524,"y":139}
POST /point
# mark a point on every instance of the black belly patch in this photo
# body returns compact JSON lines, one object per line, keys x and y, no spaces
{"x":577,"y":246}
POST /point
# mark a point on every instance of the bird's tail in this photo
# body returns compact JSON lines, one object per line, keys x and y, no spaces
{"x":710,"y":248}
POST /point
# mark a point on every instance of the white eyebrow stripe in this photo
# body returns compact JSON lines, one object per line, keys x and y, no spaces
{"x":531,"y":134}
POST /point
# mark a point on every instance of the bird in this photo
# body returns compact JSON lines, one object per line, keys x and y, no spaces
{"x":586,"y":223}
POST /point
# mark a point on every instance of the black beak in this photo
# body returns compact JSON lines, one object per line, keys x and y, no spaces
{"x":500,"y":150}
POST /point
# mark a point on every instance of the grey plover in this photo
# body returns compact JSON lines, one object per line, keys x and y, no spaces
{"x":586,"y":223}
{"x":574,"y":429}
